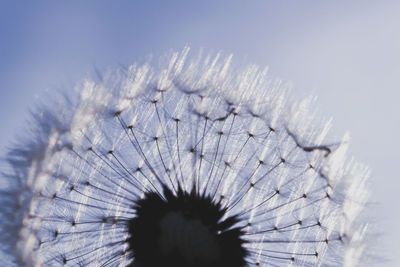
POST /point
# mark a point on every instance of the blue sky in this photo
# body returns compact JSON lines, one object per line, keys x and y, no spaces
{"x":345,"y":52}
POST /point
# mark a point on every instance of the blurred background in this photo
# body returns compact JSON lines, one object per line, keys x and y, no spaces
{"x":345,"y":52}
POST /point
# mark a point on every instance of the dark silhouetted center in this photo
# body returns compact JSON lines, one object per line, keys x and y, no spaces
{"x":185,"y":229}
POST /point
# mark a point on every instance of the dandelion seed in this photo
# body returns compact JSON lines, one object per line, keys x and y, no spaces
{"x":191,"y":164}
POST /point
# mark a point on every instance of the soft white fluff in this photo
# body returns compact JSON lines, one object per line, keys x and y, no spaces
{"x":264,"y":155}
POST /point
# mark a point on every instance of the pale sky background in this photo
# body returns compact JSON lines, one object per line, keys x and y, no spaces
{"x":345,"y":52}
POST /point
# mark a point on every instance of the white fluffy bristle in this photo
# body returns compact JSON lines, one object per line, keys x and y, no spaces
{"x":234,"y":134}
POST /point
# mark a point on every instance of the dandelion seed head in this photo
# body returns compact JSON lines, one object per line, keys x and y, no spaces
{"x":193,"y":163}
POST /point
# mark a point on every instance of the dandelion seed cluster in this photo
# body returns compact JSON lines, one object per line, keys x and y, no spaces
{"x":188,"y":164}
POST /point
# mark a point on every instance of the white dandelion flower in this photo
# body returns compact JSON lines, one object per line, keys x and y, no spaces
{"x":192,"y":163}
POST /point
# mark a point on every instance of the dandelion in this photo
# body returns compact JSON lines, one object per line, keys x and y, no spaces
{"x":189,"y":164}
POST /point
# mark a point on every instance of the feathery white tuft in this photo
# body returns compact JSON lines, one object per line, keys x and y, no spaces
{"x":234,"y":134}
